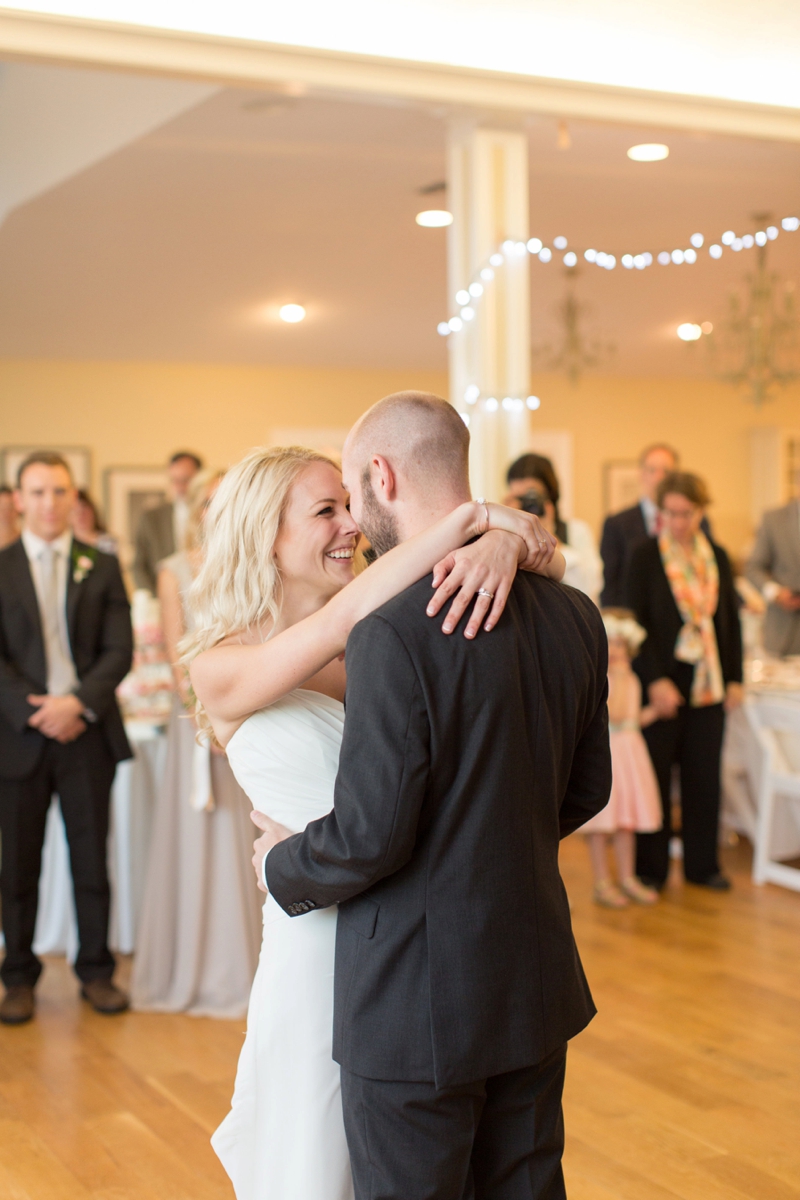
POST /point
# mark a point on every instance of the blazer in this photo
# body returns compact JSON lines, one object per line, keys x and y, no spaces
{"x":776,"y":556}
{"x":622,"y":532}
{"x":155,"y":539}
{"x":462,"y":764}
{"x":653,"y":603}
{"x":101,"y":641}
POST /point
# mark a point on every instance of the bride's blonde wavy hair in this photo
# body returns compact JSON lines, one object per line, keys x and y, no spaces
{"x":238,"y":586}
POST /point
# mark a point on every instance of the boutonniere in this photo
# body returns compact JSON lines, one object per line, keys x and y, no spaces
{"x":83,"y":562}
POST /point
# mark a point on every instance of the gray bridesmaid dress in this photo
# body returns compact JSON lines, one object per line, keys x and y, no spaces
{"x":200,"y":927}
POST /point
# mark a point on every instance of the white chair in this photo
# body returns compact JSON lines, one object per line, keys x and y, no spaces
{"x":779,"y":777}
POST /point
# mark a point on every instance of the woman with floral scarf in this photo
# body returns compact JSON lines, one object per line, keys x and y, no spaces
{"x":680,"y":586}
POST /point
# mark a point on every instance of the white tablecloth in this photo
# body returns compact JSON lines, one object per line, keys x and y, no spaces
{"x":133,"y":798}
{"x":742,"y":764}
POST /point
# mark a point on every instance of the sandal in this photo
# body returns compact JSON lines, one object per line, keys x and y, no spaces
{"x":608,"y":895}
{"x":637,"y":891}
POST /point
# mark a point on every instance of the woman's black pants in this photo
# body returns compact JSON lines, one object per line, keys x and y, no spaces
{"x":693,"y":740}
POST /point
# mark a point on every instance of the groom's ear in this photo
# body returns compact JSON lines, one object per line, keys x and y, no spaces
{"x":383,"y":479}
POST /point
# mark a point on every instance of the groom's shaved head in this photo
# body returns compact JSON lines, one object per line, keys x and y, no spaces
{"x":421,"y":436}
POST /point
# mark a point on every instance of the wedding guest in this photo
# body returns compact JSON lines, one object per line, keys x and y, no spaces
{"x":681,"y":589}
{"x":9,"y":521}
{"x":88,"y":527}
{"x":774,"y":568}
{"x":623,"y":530}
{"x":200,"y":928}
{"x":634,"y":805}
{"x":533,"y":486}
{"x":65,"y":644}
{"x":162,"y":530}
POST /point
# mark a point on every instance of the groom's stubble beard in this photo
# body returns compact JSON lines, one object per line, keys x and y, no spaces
{"x":377,"y":524}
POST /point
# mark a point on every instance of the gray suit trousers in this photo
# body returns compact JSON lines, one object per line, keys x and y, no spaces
{"x":496,"y":1139}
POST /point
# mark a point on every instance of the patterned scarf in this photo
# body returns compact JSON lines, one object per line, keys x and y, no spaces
{"x":694,"y":579}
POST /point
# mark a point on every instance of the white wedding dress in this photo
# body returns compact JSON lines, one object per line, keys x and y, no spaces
{"x":284,"y":1136}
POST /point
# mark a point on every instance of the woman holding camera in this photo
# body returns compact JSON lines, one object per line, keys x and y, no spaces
{"x":533,"y":486}
{"x":680,"y":586}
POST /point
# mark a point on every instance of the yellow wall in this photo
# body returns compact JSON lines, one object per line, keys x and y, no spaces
{"x":136,"y":413}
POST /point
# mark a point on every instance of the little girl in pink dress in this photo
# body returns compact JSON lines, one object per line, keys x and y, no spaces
{"x":635,"y":804}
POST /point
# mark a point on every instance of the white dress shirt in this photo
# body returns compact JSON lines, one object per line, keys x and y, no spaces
{"x":180,"y":519}
{"x":650,"y":513}
{"x":62,"y":678}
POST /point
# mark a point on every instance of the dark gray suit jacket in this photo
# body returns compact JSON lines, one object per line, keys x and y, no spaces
{"x":776,"y":555}
{"x":463,"y":764}
{"x":101,"y":640}
{"x":155,"y":539}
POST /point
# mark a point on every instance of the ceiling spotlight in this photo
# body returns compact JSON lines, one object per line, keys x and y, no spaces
{"x":737,"y":244}
{"x":690,"y":255}
{"x":728,"y":237}
{"x":715,"y":250}
{"x":640,"y":261}
{"x":747,"y":241}
{"x":496,"y":260}
{"x":648,"y":152}
{"x":791,"y":223}
{"x":697,"y":240}
{"x":707,"y":327}
{"x":467,"y":313}
{"x":487,"y":273}
{"x":491,"y":404}
{"x":560,"y":243}
{"x":545,"y":254}
{"x":689,"y":332}
{"x":462,"y":297}
{"x":472,"y":393}
{"x":627,"y":261}
{"x":772,"y":232}
{"x":292,"y":313}
{"x":677,"y":257}
{"x":535,"y":245}
{"x":761,"y":238}
{"x":434,"y":218}
{"x":476,"y":290}
{"x":455,"y":324}
{"x":664,"y":258}
{"x":590,"y":255}
{"x":443,"y":328}
{"x":570,"y":258}
{"x":533,"y":403}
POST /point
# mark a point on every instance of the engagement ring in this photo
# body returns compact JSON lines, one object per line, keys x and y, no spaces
{"x":488,"y":595}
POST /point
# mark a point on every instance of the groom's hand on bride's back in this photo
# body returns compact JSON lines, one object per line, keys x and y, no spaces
{"x":271,"y":834}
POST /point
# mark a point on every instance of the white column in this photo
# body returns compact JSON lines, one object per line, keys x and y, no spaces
{"x":490,"y":354}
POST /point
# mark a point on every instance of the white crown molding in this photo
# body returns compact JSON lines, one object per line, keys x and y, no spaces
{"x":242,"y":63}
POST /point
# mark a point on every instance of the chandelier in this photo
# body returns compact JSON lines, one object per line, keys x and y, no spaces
{"x":574,"y":352}
{"x":756,"y":346}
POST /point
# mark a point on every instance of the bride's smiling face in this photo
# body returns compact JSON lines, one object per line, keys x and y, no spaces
{"x":318,"y":537}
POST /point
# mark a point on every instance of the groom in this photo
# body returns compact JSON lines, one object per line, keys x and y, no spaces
{"x":457,"y":980}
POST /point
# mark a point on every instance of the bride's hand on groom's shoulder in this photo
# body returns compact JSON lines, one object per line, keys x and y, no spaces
{"x":483,"y":571}
{"x":540,"y":544}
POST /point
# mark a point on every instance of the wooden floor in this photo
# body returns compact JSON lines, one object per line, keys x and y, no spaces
{"x":686,"y":1085}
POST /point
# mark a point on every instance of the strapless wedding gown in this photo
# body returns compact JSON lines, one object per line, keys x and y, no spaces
{"x":284,"y":1136}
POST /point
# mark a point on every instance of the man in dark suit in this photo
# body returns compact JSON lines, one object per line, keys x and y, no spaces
{"x":457,"y":980}
{"x":624,"y":530}
{"x":65,"y":644}
{"x":162,"y":530}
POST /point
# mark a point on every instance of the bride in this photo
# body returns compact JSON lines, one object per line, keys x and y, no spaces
{"x":274,"y":603}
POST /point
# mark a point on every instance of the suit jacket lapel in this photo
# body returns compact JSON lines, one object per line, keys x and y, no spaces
{"x":23,"y":583}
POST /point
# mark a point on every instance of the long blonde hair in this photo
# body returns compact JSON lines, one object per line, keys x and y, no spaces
{"x":238,"y":586}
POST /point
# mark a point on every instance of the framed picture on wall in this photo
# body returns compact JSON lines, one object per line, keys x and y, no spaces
{"x":621,"y":485}
{"x":127,"y":493}
{"x":78,"y":457}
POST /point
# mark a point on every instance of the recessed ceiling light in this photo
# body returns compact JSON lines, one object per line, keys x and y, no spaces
{"x":689,"y":332}
{"x":292,"y":313}
{"x":648,"y":152}
{"x":434,"y":218}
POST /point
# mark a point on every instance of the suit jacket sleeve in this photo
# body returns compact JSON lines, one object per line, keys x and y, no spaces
{"x":612,"y":552}
{"x":654,"y":660}
{"x":760,"y":563}
{"x":383,"y":773}
{"x":144,"y":571}
{"x":589,"y":785}
{"x":730,"y":644}
{"x":14,"y":688}
{"x":112,"y":664}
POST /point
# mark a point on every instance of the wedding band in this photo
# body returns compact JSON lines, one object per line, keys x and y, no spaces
{"x":541,"y":542}
{"x":488,"y":595}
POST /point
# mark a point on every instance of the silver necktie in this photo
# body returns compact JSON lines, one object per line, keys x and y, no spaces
{"x":61,"y":676}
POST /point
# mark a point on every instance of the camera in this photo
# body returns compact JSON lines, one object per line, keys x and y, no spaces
{"x":532,"y":502}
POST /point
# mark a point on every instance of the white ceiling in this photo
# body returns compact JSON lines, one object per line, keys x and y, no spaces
{"x":735,"y":49}
{"x":183,"y":244}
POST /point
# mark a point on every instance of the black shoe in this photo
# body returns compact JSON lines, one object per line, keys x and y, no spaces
{"x":716,"y":882}
{"x":657,"y":884}
{"x":17,"y":1006}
